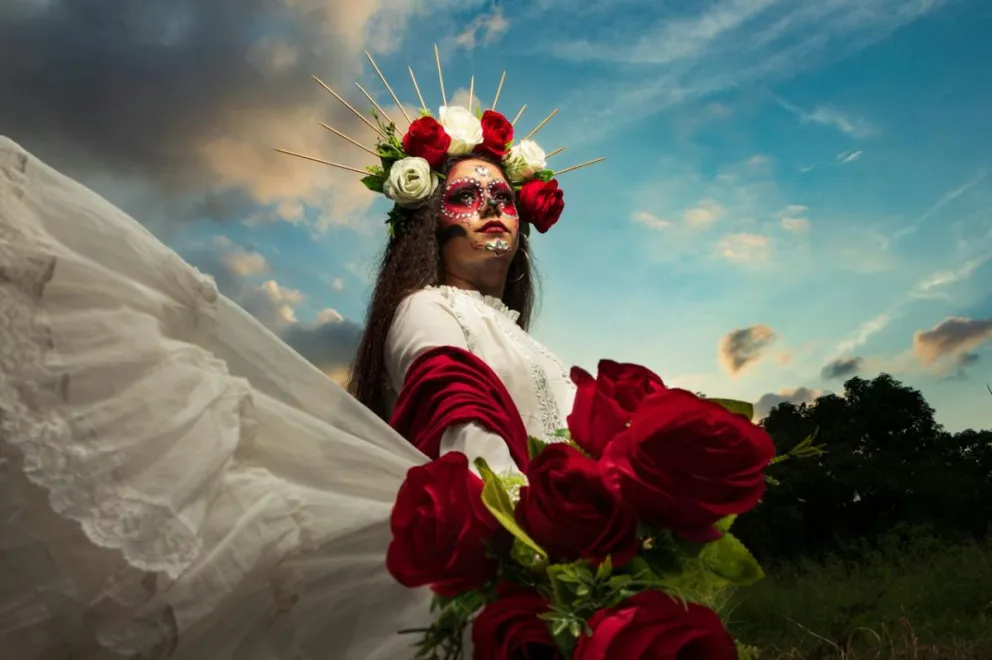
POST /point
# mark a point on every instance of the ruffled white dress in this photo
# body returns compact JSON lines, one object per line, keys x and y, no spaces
{"x":175,"y":481}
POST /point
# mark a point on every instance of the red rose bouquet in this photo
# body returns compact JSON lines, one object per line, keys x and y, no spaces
{"x":616,"y":542}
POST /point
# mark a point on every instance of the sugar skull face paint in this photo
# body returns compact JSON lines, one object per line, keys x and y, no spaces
{"x":478,"y":225}
{"x":468,"y":197}
{"x":478,"y":204}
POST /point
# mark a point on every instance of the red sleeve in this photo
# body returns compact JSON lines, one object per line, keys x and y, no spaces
{"x":447,"y":386}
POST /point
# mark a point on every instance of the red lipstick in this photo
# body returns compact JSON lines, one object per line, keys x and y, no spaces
{"x":493,"y":227}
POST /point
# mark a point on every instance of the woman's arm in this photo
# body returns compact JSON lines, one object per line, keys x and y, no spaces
{"x":424,"y":321}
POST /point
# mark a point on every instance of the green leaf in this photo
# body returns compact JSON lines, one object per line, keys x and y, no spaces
{"x":638,"y":569}
{"x":730,"y":560}
{"x":567,"y":580}
{"x":605,"y":569}
{"x":565,"y":642}
{"x":498,"y":501}
{"x":545,"y":175}
{"x":535,"y":446}
{"x":563,"y":433}
{"x":373,"y":183}
{"x":724,"y":524}
{"x":524,"y":555}
{"x":424,"y":112}
{"x":742,"y":408}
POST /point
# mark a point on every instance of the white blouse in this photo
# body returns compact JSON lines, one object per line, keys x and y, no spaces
{"x":537,"y":381}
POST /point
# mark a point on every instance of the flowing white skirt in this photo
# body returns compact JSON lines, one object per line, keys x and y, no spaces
{"x":175,"y":482}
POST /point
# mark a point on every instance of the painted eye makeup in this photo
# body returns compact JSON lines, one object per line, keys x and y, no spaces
{"x":465,"y":197}
{"x":503,"y":194}
{"x":462,"y":199}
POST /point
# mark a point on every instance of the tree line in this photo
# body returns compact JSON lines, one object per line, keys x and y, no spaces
{"x":887,"y":466}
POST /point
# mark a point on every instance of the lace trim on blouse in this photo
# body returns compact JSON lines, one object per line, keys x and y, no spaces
{"x":489,"y":301}
{"x":506,"y":320}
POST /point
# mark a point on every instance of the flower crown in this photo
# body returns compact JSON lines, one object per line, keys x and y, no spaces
{"x":410,"y":164}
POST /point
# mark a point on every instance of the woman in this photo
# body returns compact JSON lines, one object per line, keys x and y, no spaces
{"x":464,"y":295}
{"x":178,"y":483}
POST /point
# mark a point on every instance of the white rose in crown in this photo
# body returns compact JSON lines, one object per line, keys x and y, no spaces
{"x":525,"y":160}
{"x":463,"y":127}
{"x":410,"y":182}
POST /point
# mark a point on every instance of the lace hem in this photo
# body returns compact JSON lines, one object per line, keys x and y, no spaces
{"x":150,"y":535}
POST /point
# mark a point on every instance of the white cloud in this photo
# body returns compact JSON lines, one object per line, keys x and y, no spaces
{"x":704,"y":214}
{"x":246,"y":263}
{"x":833,"y":117}
{"x":329,"y":316}
{"x":865,"y":332}
{"x":758,"y":161}
{"x":650,"y":220}
{"x":793,"y":218}
{"x":486,"y":29}
{"x":705,"y":48}
{"x":282,"y":303}
{"x":744,"y":247}
{"x":795,"y":224}
{"x":846,"y":157}
{"x":929,"y":287}
{"x":945,"y":199}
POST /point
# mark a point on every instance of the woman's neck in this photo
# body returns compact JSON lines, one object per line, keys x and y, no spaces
{"x":494,"y":288}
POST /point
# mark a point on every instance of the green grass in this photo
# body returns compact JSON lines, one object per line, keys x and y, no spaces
{"x":914,"y":598}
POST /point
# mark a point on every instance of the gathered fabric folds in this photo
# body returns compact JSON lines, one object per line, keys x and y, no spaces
{"x":175,"y":481}
{"x":446,"y":386}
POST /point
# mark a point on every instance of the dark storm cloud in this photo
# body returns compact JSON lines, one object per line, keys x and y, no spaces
{"x":951,"y":338}
{"x":141,"y":88}
{"x":842,"y":368}
{"x":744,"y":346}
{"x":327,"y":345}
{"x":131,"y":84}
{"x":968,"y":359}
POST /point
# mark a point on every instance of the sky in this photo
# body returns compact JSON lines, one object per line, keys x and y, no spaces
{"x":794,"y":193}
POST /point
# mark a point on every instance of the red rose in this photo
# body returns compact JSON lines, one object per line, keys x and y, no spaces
{"x":510,"y":628}
{"x":440,"y":529}
{"x":497,"y":133}
{"x":427,"y":139}
{"x":569,"y":512}
{"x":686,"y":462}
{"x":605,"y":405}
{"x":541,"y":203}
{"x":653,"y":626}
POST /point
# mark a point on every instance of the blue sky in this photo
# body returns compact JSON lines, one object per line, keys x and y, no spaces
{"x":788,"y":185}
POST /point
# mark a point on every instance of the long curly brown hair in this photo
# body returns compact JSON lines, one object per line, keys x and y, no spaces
{"x":411,"y":262}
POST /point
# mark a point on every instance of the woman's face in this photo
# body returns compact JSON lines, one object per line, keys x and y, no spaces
{"x":478,"y":221}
